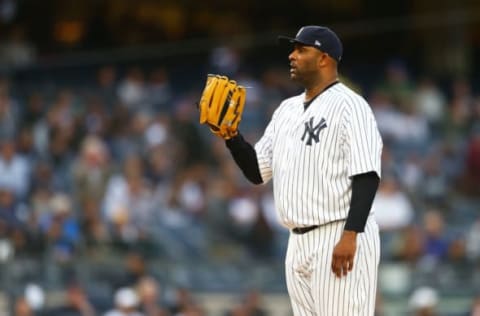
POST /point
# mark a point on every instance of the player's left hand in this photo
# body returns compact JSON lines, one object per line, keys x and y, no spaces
{"x":343,"y":253}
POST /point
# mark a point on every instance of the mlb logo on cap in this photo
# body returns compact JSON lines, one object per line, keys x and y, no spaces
{"x":320,"y":37}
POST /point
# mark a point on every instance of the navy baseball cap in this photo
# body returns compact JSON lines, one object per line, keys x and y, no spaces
{"x":320,"y":37}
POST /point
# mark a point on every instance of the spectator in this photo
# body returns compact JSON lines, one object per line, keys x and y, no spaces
{"x":132,"y":91}
{"x":188,"y":142}
{"x":397,"y":84}
{"x":15,"y":224}
{"x":253,"y":117}
{"x":279,"y":233}
{"x":35,"y":120}
{"x":135,"y":271}
{"x":250,"y":306}
{"x":160,"y":168}
{"x":414,"y":131}
{"x":25,"y":145}
{"x":430,"y":102}
{"x":471,"y":174}
{"x":457,"y":122}
{"x":411,"y":172}
{"x":35,"y":296}
{"x":159,"y":91}
{"x":457,"y":252}
{"x":183,"y":303}
{"x":129,"y":204}
{"x":150,"y":297}
{"x":424,"y":302}
{"x":394,"y":214}
{"x":390,"y":164}
{"x":249,"y":226}
{"x":391,"y":207}
{"x":473,"y":240}
{"x":22,"y":308}
{"x":225,"y":60}
{"x":76,"y":304}
{"x":63,"y":133}
{"x":434,"y":182}
{"x":399,"y":123}
{"x":10,"y":213}
{"x":14,"y":169}
{"x":436,"y":244}
{"x":158,"y":132}
{"x":387,"y":116}
{"x":96,"y":118}
{"x":34,"y":110}
{"x":91,"y":170}
{"x":126,"y":303}
{"x":189,"y":191}
{"x":94,"y":230}
{"x":128,"y":133}
{"x":106,"y":87}
{"x":61,"y":228}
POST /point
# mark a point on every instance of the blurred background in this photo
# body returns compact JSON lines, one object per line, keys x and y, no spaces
{"x":113,"y":198}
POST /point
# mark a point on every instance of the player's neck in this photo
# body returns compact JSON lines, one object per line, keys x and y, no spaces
{"x":317,"y":88}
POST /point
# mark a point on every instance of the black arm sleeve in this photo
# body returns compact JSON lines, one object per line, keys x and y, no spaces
{"x":364,"y":187}
{"x":246,"y":158}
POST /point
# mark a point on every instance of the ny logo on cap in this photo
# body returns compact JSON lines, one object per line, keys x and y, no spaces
{"x":317,"y":43}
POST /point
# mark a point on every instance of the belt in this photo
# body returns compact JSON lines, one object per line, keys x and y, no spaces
{"x":303,"y":230}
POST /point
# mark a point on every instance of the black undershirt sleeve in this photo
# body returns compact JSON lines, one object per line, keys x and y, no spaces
{"x":364,"y":187}
{"x":246,"y":158}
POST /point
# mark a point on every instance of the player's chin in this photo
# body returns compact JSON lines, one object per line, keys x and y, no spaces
{"x":295,"y":75}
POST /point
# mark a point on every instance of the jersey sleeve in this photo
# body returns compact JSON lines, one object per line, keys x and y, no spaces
{"x":264,"y":150}
{"x":363,"y":143}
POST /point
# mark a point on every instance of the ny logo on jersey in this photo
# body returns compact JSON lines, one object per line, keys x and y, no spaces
{"x":313,"y":132}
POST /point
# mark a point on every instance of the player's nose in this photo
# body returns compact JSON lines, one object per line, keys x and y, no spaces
{"x":292,"y":56}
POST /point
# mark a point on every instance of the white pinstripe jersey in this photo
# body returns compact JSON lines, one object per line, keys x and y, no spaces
{"x":312,"y":154}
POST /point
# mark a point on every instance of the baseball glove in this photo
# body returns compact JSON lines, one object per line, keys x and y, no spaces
{"x":221,"y":105}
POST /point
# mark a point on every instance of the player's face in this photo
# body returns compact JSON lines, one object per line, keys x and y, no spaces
{"x":304,"y":62}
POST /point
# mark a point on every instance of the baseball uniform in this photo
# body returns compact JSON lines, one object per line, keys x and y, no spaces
{"x":323,"y":157}
{"x":311,"y":156}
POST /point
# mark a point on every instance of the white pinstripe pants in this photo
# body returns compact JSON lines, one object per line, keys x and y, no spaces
{"x":314,"y":289}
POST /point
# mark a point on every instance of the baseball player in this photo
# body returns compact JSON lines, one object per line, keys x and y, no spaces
{"x":322,"y":150}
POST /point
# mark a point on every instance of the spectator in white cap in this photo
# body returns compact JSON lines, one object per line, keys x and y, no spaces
{"x":126,"y":303}
{"x":424,"y":301}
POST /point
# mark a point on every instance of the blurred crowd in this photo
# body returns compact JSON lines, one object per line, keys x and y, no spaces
{"x":117,"y":163}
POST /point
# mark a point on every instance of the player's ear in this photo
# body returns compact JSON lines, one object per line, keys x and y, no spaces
{"x":322,"y":59}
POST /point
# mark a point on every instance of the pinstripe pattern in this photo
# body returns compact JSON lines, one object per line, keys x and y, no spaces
{"x":314,"y":290}
{"x":311,"y":156}
{"x":312,"y":184}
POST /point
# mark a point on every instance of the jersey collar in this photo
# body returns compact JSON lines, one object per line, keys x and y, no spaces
{"x":307,"y":103}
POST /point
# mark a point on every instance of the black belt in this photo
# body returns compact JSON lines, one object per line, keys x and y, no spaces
{"x":303,"y":230}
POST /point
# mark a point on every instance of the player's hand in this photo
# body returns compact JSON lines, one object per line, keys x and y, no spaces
{"x":343,"y":253}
